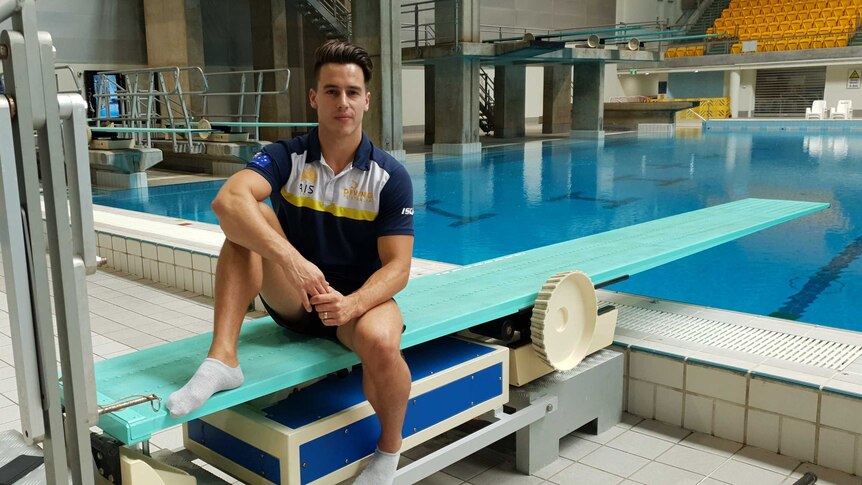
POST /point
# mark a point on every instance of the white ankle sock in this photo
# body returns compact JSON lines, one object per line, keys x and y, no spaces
{"x":380,"y":470}
{"x":211,"y":377}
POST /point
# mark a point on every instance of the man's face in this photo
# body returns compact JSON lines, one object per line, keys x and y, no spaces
{"x":340,"y":98}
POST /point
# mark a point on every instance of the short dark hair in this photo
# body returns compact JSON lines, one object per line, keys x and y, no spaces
{"x":340,"y":52}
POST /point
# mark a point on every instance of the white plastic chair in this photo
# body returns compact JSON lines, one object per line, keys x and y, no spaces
{"x":844,"y":110}
{"x":817,"y":111}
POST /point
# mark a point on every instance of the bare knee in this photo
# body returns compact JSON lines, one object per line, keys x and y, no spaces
{"x":378,"y":348}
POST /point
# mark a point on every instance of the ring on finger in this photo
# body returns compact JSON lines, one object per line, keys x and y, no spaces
{"x":325,"y":315}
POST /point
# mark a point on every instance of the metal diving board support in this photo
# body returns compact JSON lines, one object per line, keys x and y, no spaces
{"x":31,"y":104}
{"x":433,"y":306}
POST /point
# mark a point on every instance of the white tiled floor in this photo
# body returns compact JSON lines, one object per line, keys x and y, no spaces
{"x":635,"y":451}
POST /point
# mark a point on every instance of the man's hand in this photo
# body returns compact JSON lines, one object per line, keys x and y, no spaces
{"x":307,"y":279}
{"x":334,"y":308}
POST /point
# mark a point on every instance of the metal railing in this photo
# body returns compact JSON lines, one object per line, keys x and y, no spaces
{"x":244,"y":86}
{"x":150,"y":99}
{"x":420,"y":25}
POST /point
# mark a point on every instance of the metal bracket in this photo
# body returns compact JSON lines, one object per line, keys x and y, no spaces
{"x":503,"y":426}
{"x":106,"y":454}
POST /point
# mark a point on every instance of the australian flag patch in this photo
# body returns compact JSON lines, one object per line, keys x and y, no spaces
{"x":261,"y":159}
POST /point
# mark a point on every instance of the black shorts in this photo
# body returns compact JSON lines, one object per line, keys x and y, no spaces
{"x":306,"y":324}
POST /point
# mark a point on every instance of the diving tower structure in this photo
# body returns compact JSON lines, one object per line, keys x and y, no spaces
{"x":453,"y":56}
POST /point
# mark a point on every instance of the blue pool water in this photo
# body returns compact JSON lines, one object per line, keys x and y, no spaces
{"x":525,"y":196}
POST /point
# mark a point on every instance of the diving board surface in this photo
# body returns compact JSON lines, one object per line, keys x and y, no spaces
{"x":434,"y":305}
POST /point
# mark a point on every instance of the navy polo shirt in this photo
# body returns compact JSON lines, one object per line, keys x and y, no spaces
{"x":334,"y":220}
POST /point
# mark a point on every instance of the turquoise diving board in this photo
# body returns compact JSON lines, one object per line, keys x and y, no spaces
{"x":433,"y":305}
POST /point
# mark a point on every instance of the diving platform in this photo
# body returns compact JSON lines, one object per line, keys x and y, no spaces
{"x":627,"y":116}
{"x":433,"y":306}
{"x":525,"y":52}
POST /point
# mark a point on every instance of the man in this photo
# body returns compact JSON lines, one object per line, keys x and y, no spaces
{"x":330,"y":256}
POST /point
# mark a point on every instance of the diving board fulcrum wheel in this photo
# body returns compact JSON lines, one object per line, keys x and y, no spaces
{"x":564,"y":320}
{"x":204,"y":124}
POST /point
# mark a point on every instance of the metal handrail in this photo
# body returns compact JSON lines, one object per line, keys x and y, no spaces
{"x":254,"y":78}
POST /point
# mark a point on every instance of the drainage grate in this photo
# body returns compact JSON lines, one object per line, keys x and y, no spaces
{"x":766,"y":343}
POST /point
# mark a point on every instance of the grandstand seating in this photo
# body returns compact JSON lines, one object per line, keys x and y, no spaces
{"x":782,"y":25}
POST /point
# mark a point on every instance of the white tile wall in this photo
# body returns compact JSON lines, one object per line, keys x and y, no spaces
{"x":797,"y":438}
{"x":182,"y":258}
{"x":841,"y":412}
{"x":714,"y":382}
{"x":783,"y":399}
{"x":166,"y":254}
{"x":762,"y":430}
{"x":148,"y":250}
{"x":654,"y":368}
{"x":668,"y":405}
{"x":729,"y":421}
{"x":641,"y":398}
{"x":698,"y":413}
{"x":836,"y":449}
{"x":133,"y":247}
{"x":201,"y":262}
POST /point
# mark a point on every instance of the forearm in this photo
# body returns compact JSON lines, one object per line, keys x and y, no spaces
{"x":381,"y":286}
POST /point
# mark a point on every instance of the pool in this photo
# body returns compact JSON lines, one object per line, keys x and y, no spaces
{"x":524,"y":196}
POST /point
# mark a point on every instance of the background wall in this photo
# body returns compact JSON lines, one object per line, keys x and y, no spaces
{"x":546,"y":14}
{"x":94,"y":32}
{"x":633,"y":11}
{"x":836,"y":87}
{"x":696,"y":84}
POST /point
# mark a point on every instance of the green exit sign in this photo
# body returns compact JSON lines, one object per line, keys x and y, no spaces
{"x":633,"y":71}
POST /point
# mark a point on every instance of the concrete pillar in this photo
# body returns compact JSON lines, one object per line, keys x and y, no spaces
{"x":456,"y":80}
{"x":557,"y":99}
{"x":174,"y":30}
{"x":456,"y":21}
{"x":456,"y":106}
{"x":588,"y":100}
{"x":377,"y":28}
{"x":510,"y":84}
{"x":429,"y":104}
{"x":733,"y":92}
{"x":270,"y":51}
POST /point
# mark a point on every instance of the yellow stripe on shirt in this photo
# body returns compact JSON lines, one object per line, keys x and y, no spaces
{"x":337,"y":211}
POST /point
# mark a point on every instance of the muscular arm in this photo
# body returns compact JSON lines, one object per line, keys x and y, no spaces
{"x":237,"y":207}
{"x":395,"y":254}
{"x":238,"y":212}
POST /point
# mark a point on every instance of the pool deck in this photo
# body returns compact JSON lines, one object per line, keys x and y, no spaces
{"x":774,"y":385}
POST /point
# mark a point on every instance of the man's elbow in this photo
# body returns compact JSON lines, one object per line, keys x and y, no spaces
{"x":219,"y":205}
{"x":403,"y":276}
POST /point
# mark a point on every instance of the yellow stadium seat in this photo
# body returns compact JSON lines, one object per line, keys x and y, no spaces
{"x":819,"y":22}
{"x":826,"y":12}
{"x":838,"y":11}
{"x":781,"y":45}
{"x":845,"y":3}
{"x":839,"y":29}
{"x":792,"y":44}
{"x":736,"y":48}
{"x":812,"y":32}
{"x":831,"y":42}
{"x":755,"y":11}
{"x":699,"y":50}
{"x":791,"y":16}
{"x":785,"y":27}
{"x":719,"y":22}
{"x":779,"y":17}
{"x":818,"y":43}
{"x":805,"y":43}
{"x":842,"y":41}
{"x":824,"y":30}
